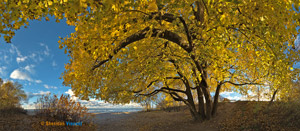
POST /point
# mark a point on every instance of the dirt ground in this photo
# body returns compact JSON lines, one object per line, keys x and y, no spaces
{"x":160,"y":120}
{"x":131,"y":121}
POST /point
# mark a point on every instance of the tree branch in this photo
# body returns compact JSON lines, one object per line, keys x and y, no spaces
{"x":171,"y":89}
{"x":173,"y":77}
{"x":164,"y":34}
{"x":150,"y":84}
{"x":240,"y":84}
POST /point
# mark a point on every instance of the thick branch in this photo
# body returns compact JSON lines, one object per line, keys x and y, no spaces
{"x":164,"y":34}
{"x":173,"y":77}
{"x":150,"y":84}
{"x":171,"y":89}
{"x":152,"y":93}
{"x":163,"y":89}
{"x":241,"y":84}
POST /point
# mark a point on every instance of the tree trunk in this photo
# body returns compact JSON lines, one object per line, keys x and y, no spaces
{"x":206,"y":93}
{"x":273,"y":97}
{"x":216,"y":98}
{"x":208,"y":103}
{"x":201,"y":109}
{"x":191,"y":103}
{"x":194,"y":113}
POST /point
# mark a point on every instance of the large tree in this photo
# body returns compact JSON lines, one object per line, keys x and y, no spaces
{"x":126,"y":49}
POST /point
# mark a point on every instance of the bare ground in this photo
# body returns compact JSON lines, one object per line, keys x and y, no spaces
{"x":133,"y":121}
{"x":160,"y":120}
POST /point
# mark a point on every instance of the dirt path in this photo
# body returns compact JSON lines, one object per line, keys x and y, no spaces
{"x":149,"y":121}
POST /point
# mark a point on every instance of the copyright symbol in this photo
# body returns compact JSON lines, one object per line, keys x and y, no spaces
{"x":42,"y":123}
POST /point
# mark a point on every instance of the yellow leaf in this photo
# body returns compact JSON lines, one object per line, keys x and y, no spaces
{"x":47,"y":19}
{"x":152,"y":6}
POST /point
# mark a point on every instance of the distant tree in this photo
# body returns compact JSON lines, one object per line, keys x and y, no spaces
{"x":11,"y":94}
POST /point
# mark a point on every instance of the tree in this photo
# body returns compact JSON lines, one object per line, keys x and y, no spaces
{"x":123,"y":49}
{"x":11,"y":94}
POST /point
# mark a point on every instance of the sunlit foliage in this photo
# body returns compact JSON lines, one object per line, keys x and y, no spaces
{"x":11,"y":94}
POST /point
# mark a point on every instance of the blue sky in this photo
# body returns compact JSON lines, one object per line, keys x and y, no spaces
{"x":34,"y":60}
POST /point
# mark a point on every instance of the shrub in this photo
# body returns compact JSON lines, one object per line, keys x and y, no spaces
{"x":63,"y":109}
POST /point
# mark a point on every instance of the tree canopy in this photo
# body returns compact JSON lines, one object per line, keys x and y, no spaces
{"x":11,"y":94}
{"x":123,"y":49}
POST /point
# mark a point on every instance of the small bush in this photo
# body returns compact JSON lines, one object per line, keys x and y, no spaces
{"x":63,"y":109}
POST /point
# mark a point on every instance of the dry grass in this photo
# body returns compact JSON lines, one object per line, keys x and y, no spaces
{"x":260,"y":116}
{"x":240,"y":115}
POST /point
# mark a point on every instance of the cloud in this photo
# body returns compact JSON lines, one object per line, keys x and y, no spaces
{"x":54,"y":64}
{"x":72,"y":95}
{"x":17,"y":74}
{"x":49,"y":87}
{"x":20,"y":75}
{"x":29,"y":68}
{"x":21,"y":59}
{"x":3,"y":70}
{"x":70,"y":92}
{"x":38,"y":81}
{"x":30,"y":94}
{"x":40,"y":93}
{"x":225,"y":93}
{"x":94,"y":103}
{"x":236,"y":98}
{"x":14,"y":50}
{"x":47,"y":50}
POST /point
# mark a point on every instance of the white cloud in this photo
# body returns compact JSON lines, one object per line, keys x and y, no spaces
{"x":50,"y":87}
{"x":47,"y":50}
{"x":236,"y":98}
{"x":94,"y":103}
{"x":225,"y":93}
{"x":40,"y":58}
{"x":29,"y":68}
{"x":3,"y":70}
{"x":5,"y":58}
{"x":70,"y":92}
{"x":14,"y":49}
{"x":20,"y":75}
{"x":72,"y":95}
{"x":32,"y":56}
{"x":21,"y":59}
{"x":41,"y":93}
{"x":37,"y":81}
{"x":54,"y":64}
{"x":17,"y":74}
